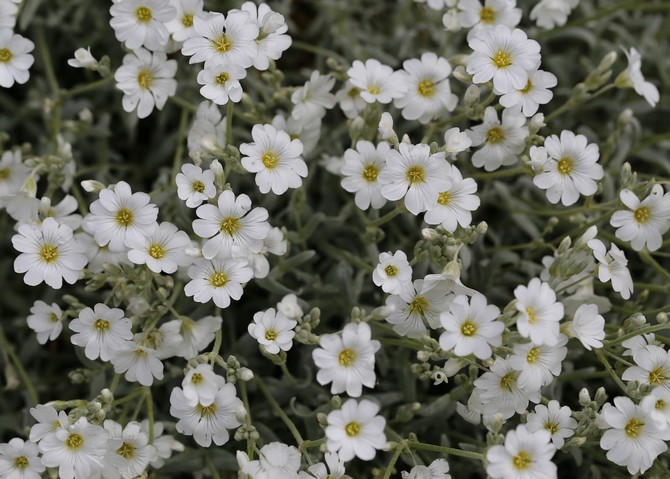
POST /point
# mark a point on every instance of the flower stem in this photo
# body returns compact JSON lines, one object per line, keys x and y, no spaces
{"x":632,"y":334}
{"x":25,"y":379}
{"x":446,"y":450}
{"x":230,"y":108}
{"x":601,"y":356}
{"x":150,"y":413}
{"x":324,"y":52}
{"x":387,"y":217}
{"x":649,"y":259}
{"x":396,"y":454}
{"x":87,"y":87}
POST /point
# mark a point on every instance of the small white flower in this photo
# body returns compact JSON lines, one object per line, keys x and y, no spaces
{"x":139,"y":363}
{"x":646,"y":221}
{"x":146,"y":80}
{"x":140,"y":23}
{"x":276,"y":460}
{"x":537,"y":365}
{"x":503,"y":142}
{"x":166,"y":339}
{"x":553,"y":418}
{"x":588,"y":326}
{"x":504,"y":56}
{"x":632,"y":439}
{"x":46,"y":321}
{"x":456,"y":141}
{"x":308,"y":132}
{"x":652,"y":367}
{"x":19,"y":460}
{"x":181,"y":26}
{"x":272,"y":40}
{"x":571,"y":168}
{"x":393,"y":273}
{"x":289,"y":307}
{"x":220,"y":81}
{"x":438,"y":469}
{"x":313,"y":98}
{"x":334,"y":469}
{"x":350,"y":100}
{"x":217,"y":279}
{"x":49,"y":253}
{"x":134,"y":454}
{"x":376,"y":82}
{"x":12,"y":173}
{"x":657,"y":404}
{"x":273,"y":331}
{"x":15,"y":58}
{"x":101,"y":331}
{"x":421,"y":303}
{"x":118,"y":214}
{"x":540,"y":312}
{"x":347,"y":361}
{"x":165,"y":444}
{"x":83,"y":58}
{"x":48,"y":421}
{"x":201,"y":384}
{"x":195,"y":185}
{"x":613,"y":266}
{"x":525,"y":455}
{"x":453,"y":205}
{"x":63,"y":212}
{"x":197,"y":335}
{"x":476,"y":17}
{"x":361,"y":171}
{"x":356,"y":430}
{"x":632,"y":76}
{"x":275,"y":158}
{"x":8,"y":12}
{"x":207,"y":134}
{"x":535,"y":93}
{"x":549,"y":14}
{"x":471,"y":327}
{"x":162,"y":250}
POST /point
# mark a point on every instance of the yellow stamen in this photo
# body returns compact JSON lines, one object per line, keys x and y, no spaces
{"x":501,"y":59}
{"x":391,"y":270}
{"x":270,"y":160}
{"x":352,"y":429}
{"x":508,"y":381}
{"x":533,"y":355}
{"x":634,"y":427}
{"x":124,"y":217}
{"x":49,"y":253}
{"x":102,"y":325}
{"x":487,"y":15}
{"x":218,"y":279}
{"x":468,"y":328}
{"x":127,"y":451}
{"x":415,"y":174}
{"x":5,"y":55}
{"x":198,"y":186}
{"x":156,"y":251}
{"x":74,"y":441}
{"x":419,"y":305}
{"x":495,"y":135}
{"x":230,"y":225}
{"x":426,"y":88}
{"x":346,"y":357}
{"x":642,"y":214}
{"x":522,"y":461}
{"x":564,"y":165}
{"x":370,"y":173}
{"x":271,"y":334}
{"x":223,"y":44}
{"x":143,"y":14}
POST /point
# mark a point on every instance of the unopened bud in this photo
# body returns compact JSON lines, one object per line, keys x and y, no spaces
{"x":471,"y":95}
{"x":245,"y":374}
{"x":92,"y":186}
{"x":584,"y":397}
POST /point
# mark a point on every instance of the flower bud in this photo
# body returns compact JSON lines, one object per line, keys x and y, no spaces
{"x":584,"y":397}
{"x":471,"y":96}
{"x":92,"y":186}
{"x":245,"y":374}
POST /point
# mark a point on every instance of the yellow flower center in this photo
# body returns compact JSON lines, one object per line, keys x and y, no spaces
{"x":141,"y":353}
{"x":352,"y":429}
{"x":21,"y":462}
{"x":657,"y":376}
{"x":468,"y":328}
{"x":495,"y":135}
{"x":419,"y":305}
{"x":5,"y":55}
{"x":218,"y":279}
{"x":391,"y":270}
{"x":223,"y":44}
{"x":530,"y":312}
{"x":187,"y":20}
{"x":126,"y":451}
{"x":74,"y":441}
{"x":370,"y":173}
{"x":54,"y":318}
{"x":5,"y":173}
{"x":156,"y":251}
{"x":522,"y":461}
{"x":660,"y":404}
{"x":124,"y":217}
{"x":270,"y":159}
{"x":634,"y":427}
{"x":353,"y":92}
{"x":205,"y":411}
{"x":564,"y":165}
{"x":101,"y":325}
{"x":501,"y":59}
{"x":642,"y":214}
{"x":527,"y":88}
{"x":533,"y":355}
{"x":373,"y":89}
{"x":198,"y":186}
{"x":196,"y":378}
{"x":415,"y":174}
{"x":230,"y":225}
{"x":487,"y":15}
{"x":346,"y":357}
{"x":426,"y":88}
{"x":271,"y":334}
{"x":444,"y":198}
{"x":552,"y":427}
{"x":145,"y":79}
{"x":508,"y":381}
{"x":143,"y":14}
{"x":49,"y":253}
{"x":222,"y":78}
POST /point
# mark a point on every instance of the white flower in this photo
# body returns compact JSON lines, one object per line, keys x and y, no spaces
{"x":652,"y":367}
{"x":48,"y":421}
{"x":118,"y":214}
{"x":164,"y":443}
{"x":456,"y":141}
{"x":393,"y":273}
{"x":428,"y":91}
{"x":140,"y":364}
{"x":217,"y":279}
{"x":535,"y":93}
{"x":101,"y":331}
{"x":146,"y":80}
{"x":525,"y":455}
{"x":77,"y":450}
{"x":471,"y":327}
{"x":272,"y":40}
{"x":313,"y":98}
{"x":12,"y":173}
{"x":135,"y":452}
{"x":207,"y":423}
{"x":230,"y":38}
{"x":438,"y":469}
{"x":276,"y":461}
{"x":549,"y":14}
{"x":231,"y":223}
{"x":437,"y":4}
{"x":347,"y":361}
{"x":453,"y":205}
{"x":613,"y":265}
{"x":503,"y":142}
{"x":8,"y":13}
{"x":275,"y":158}
{"x":195,"y":185}
{"x":537,"y":365}
{"x":201,"y":384}
{"x":657,"y":405}
{"x":274,"y":243}
{"x":361,"y":171}
{"x":350,"y":100}
{"x":356,"y":430}
{"x":588,"y":326}
{"x":646,"y":221}
{"x":415,"y":174}
{"x":422,"y":302}
{"x":207,"y":133}
{"x":141,"y":22}
{"x":45,"y":320}
{"x":289,"y":307}
{"x":476,"y":17}
{"x":19,"y":460}
{"x":540,"y":312}
{"x":62,"y":212}
{"x":335,"y":469}
{"x":162,"y":250}
{"x":571,"y":168}
{"x":273,"y":331}
{"x":197,"y":335}
{"x":632,"y":439}
{"x":181,"y":26}
{"x":632,"y":77}
{"x":49,"y":254}
{"x":83,"y":58}
{"x":553,"y":418}
{"x":376,"y":82}
{"x":15,"y":58}
{"x":308,"y":132}
{"x":166,"y":339}
{"x":221,"y":81}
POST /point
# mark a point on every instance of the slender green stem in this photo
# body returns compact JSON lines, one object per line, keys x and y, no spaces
{"x":576,"y":282}
{"x":519,"y":170}
{"x":446,"y":450}
{"x":218,"y":338}
{"x":649,"y":259}
{"x":229,"y":122}
{"x":211,"y":466}
{"x":396,"y":454}
{"x":608,"y":367}
{"x":179,"y":150}
{"x":324,"y":52}
{"x":247,"y":417}
{"x":43,"y":48}
{"x":340,"y":253}
{"x":632,"y":334}
{"x":387,"y":217}
{"x":115,"y":382}
{"x":179,"y":101}
{"x":25,"y":379}
{"x":570,"y":104}
{"x":150,"y":413}
{"x":312,"y":443}
{"x":87,"y":87}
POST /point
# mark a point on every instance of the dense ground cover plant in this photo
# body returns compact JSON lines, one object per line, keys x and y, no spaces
{"x":326,"y":239}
